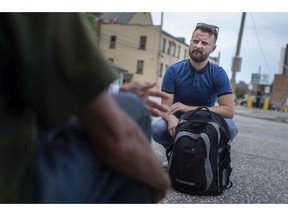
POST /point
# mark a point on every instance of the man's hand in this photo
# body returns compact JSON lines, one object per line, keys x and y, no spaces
{"x":178,"y":107}
{"x":144,"y":91}
{"x":172,"y":124}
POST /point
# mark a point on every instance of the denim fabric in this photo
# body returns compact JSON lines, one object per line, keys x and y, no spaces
{"x":69,"y":171}
{"x":134,"y":107}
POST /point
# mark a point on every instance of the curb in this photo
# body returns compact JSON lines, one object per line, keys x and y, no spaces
{"x":262,"y":114}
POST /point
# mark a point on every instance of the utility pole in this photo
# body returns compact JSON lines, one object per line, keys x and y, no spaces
{"x":159,"y":51}
{"x":237,"y":60}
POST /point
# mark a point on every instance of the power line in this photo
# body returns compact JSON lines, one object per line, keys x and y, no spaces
{"x":130,"y":44}
{"x":259,"y":43}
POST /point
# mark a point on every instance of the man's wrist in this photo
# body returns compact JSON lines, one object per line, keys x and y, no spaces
{"x":168,"y":117}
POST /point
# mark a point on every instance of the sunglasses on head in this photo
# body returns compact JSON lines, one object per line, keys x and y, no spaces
{"x":208,"y":28}
{"x":215,"y":29}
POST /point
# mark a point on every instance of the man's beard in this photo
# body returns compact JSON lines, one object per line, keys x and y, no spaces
{"x":197,"y":56}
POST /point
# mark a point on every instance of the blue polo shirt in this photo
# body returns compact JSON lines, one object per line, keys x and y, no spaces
{"x":196,"y":88}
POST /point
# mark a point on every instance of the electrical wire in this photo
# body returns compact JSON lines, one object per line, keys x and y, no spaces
{"x":259,"y":43}
{"x":125,"y":41}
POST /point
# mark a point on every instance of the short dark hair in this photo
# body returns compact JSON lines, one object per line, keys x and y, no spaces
{"x":211,"y":29}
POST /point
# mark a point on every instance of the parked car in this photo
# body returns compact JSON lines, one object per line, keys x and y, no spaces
{"x":274,"y":106}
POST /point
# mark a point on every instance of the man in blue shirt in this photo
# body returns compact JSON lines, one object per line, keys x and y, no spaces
{"x":195,"y":82}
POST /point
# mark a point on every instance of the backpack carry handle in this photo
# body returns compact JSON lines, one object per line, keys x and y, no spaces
{"x":213,"y":117}
{"x":201,"y":108}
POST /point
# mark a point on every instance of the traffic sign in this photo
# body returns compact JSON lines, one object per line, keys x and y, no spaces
{"x":260,"y":79}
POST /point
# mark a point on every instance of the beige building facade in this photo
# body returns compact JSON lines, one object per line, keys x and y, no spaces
{"x":131,"y":41}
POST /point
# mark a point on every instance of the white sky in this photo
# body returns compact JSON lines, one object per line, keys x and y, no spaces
{"x":265,"y":32}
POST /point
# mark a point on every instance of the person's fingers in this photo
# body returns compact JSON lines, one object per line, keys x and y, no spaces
{"x":154,"y":112}
{"x":156,"y":105}
{"x":156,"y":93}
{"x":170,"y":131}
{"x":172,"y":110}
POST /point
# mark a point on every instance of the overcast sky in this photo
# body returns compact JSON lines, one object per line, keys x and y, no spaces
{"x":265,"y":33}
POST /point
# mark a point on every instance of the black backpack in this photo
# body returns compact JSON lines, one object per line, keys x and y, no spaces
{"x":199,"y":160}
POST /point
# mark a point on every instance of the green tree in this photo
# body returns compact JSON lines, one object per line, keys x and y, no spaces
{"x":91,"y":17}
{"x":240,"y":92}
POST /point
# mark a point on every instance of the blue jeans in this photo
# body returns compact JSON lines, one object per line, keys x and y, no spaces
{"x":161,"y":135}
{"x":69,"y":171}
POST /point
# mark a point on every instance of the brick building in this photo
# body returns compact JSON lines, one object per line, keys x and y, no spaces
{"x":280,"y":90}
{"x":280,"y":85}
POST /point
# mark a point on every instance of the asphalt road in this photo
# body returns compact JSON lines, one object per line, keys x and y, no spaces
{"x":260,"y":166}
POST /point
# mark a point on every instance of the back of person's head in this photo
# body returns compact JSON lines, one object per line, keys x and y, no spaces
{"x":211,"y":29}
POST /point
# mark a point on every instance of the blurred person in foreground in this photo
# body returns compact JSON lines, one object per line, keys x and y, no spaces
{"x":64,"y":138}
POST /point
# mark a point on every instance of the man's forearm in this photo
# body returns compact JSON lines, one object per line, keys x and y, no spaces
{"x":119,"y":142}
{"x":224,"y":111}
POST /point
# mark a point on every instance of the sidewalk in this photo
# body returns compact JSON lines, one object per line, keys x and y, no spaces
{"x":255,"y":113}
{"x":262,"y":114}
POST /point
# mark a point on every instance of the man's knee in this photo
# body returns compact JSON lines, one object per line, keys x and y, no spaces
{"x":159,"y":129}
{"x":232,"y":128}
{"x":131,"y":104}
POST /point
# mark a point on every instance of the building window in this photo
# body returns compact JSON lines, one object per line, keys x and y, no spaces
{"x":161,"y":70}
{"x":169,"y":47}
{"x":179,"y":49}
{"x":142,"y":44}
{"x":174,"y":49}
{"x":166,"y":67}
{"x":111,"y":60}
{"x":140,"y":67}
{"x":185,"y":54}
{"x":112,"y":41}
{"x":163,"y":45}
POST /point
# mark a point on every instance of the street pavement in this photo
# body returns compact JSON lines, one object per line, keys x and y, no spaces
{"x":259,"y":160}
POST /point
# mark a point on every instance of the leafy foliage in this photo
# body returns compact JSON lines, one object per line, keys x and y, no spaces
{"x":91,"y":17}
{"x":240,"y":92}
